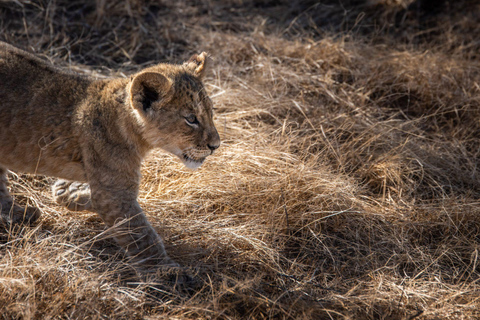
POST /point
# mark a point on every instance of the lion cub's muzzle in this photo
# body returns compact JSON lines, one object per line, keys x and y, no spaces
{"x":194,"y":157}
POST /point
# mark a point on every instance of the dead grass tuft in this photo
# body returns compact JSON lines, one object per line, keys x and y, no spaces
{"x":346,"y":185}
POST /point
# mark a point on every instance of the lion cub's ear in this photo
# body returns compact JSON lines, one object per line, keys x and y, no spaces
{"x":147,"y":88}
{"x":198,"y":64}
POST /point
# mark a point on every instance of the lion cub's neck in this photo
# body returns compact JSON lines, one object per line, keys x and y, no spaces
{"x":107,"y":101}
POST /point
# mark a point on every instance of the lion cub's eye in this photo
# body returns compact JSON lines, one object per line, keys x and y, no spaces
{"x":191,"y":120}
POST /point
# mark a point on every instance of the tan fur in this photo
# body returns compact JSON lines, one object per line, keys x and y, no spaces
{"x":97,"y":132}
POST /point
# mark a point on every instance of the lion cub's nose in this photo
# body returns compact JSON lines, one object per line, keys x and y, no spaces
{"x":213,"y":148}
{"x":213,"y":141}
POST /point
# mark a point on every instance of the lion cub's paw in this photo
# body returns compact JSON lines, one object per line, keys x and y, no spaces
{"x":13,"y":214}
{"x":73,"y":195}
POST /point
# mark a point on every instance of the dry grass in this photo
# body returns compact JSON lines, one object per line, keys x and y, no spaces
{"x":347,"y":184}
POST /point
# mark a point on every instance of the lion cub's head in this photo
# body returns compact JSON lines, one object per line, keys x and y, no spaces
{"x":174,"y":110}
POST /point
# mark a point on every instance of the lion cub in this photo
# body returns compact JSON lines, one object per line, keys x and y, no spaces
{"x":96,"y":132}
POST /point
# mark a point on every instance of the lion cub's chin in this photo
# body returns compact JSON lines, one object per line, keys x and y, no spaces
{"x":191,"y":163}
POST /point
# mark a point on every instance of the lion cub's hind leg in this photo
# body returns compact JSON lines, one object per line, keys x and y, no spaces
{"x":73,"y":195}
{"x":12,"y":213}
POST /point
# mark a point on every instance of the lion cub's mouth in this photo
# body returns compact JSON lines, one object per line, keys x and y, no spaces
{"x":192,"y":163}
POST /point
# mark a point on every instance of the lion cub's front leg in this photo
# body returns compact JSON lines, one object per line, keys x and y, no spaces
{"x":120,"y":211}
{"x":113,"y":186}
